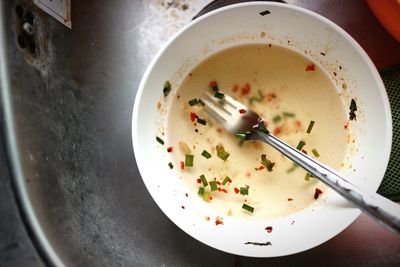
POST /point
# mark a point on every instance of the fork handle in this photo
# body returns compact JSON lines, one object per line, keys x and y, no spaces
{"x":379,"y":208}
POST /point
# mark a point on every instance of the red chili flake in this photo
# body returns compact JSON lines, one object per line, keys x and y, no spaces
{"x":290,"y":199}
{"x":219,"y":189}
{"x":262,"y":167}
{"x":317,"y":193}
{"x":248,"y":174}
{"x":224,"y":190}
{"x":162,"y":133}
{"x":242,"y":111}
{"x":245,"y":89}
{"x":298,"y":123}
{"x":277,"y":130}
{"x":235,"y":87}
{"x":190,"y":74}
{"x":236,"y":190}
{"x":170,"y":149}
{"x":210,"y":198}
{"x":346,"y":125}
{"x":183,"y":207}
{"x":230,"y":180}
{"x":186,"y":195}
{"x":322,"y":53}
{"x":193,"y":116}
{"x":182,"y":165}
{"x":219,"y":130}
{"x":199,"y":181}
{"x":310,"y":67}
{"x":269,"y":45}
{"x":218,"y":183}
{"x":334,"y":73}
{"x":218,"y":221}
{"x":305,"y":152}
{"x":213,"y":83}
{"x":269,"y":229}
{"x":247,"y":186}
{"x":178,"y":96}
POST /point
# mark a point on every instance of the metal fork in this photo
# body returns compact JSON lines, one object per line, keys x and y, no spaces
{"x":237,"y":118}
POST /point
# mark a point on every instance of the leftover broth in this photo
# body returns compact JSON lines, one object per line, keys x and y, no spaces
{"x":300,"y":105}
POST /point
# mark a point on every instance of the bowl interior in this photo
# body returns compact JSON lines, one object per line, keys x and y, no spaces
{"x":300,"y":30}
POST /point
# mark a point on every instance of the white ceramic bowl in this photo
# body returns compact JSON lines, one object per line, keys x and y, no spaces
{"x":297,"y":29}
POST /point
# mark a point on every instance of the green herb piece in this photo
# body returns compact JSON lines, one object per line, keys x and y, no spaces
{"x":267,"y":163}
{"x":248,"y":208}
{"x":315,"y":152}
{"x":261,"y":127}
{"x":166,"y":88}
{"x":219,"y":95}
{"x":201,"y":191}
{"x":203,"y":180}
{"x":310,"y":126}
{"x":171,"y":166}
{"x":207,"y":196}
{"x":241,"y":135}
{"x":160,"y":140}
{"x":300,"y":145}
{"x":225,"y":180}
{"x":193,"y":102}
{"x":214,"y":86}
{"x":189,"y":160}
{"x":221,"y":153}
{"x":307,"y":177}
{"x":213,"y":185}
{"x":288,"y":114}
{"x":201,"y":121}
{"x":276,"y":119}
{"x":206,"y":154}
{"x":244,"y":191}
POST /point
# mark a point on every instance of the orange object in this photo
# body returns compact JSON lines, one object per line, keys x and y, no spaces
{"x":388,"y":13}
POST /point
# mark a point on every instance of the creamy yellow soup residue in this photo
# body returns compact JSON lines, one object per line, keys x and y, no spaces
{"x":285,"y":88}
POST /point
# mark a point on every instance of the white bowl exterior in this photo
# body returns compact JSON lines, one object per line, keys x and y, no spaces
{"x":241,"y":24}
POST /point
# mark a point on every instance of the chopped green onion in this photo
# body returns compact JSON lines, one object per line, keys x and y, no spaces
{"x":221,"y":153}
{"x":167,"y":88}
{"x":201,"y":121}
{"x":310,"y":126}
{"x":244,"y":191}
{"x":248,"y":208}
{"x":315,"y":152}
{"x":160,"y":140}
{"x":203,"y":180}
{"x":189,"y":160}
{"x":206,"y":154}
{"x":307,"y":177}
{"x":288,"y":115}
{"x":267,"y":163}
{"x":219,"y":95}
{"x":300,"y":145}
{"x":193,"y":102}
{"x":225,"y":180}
{"x":261,"y":126}
{"x":277,"y":119}
{"x":201,"y":191}
{"x":213,"y":185}
{"x":171,"y":166}
{"x":241,"y":135}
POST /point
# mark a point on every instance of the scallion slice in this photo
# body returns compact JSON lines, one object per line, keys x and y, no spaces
{"x":201,"y":121}
{"x":206,"y":154}
{"x":241,"y":135}
{"x":248,"y":208}
{"x":166,"y":88}
{"x":221,"y":153}
{"x":288,"y":114}
{"x":160,"y":140}
{"x":201,"y":191}
{"x":189,"y":160}
{"x":310,"y":126}
{"x":276,"y":119}
{"x":315,"y":152}
{"x":193,"y":102}
{"x":203,"y":180}
{"x":261,"y":126}
{"x":225,"y":180}
{"x":244,"y":191}
{"x":307,"y":177}
{"x":267,"y":163}
{"x":171,"y":166}
{"x":213,"y":185}
{"x":300,"y":145}
{"x":219,"y":95}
